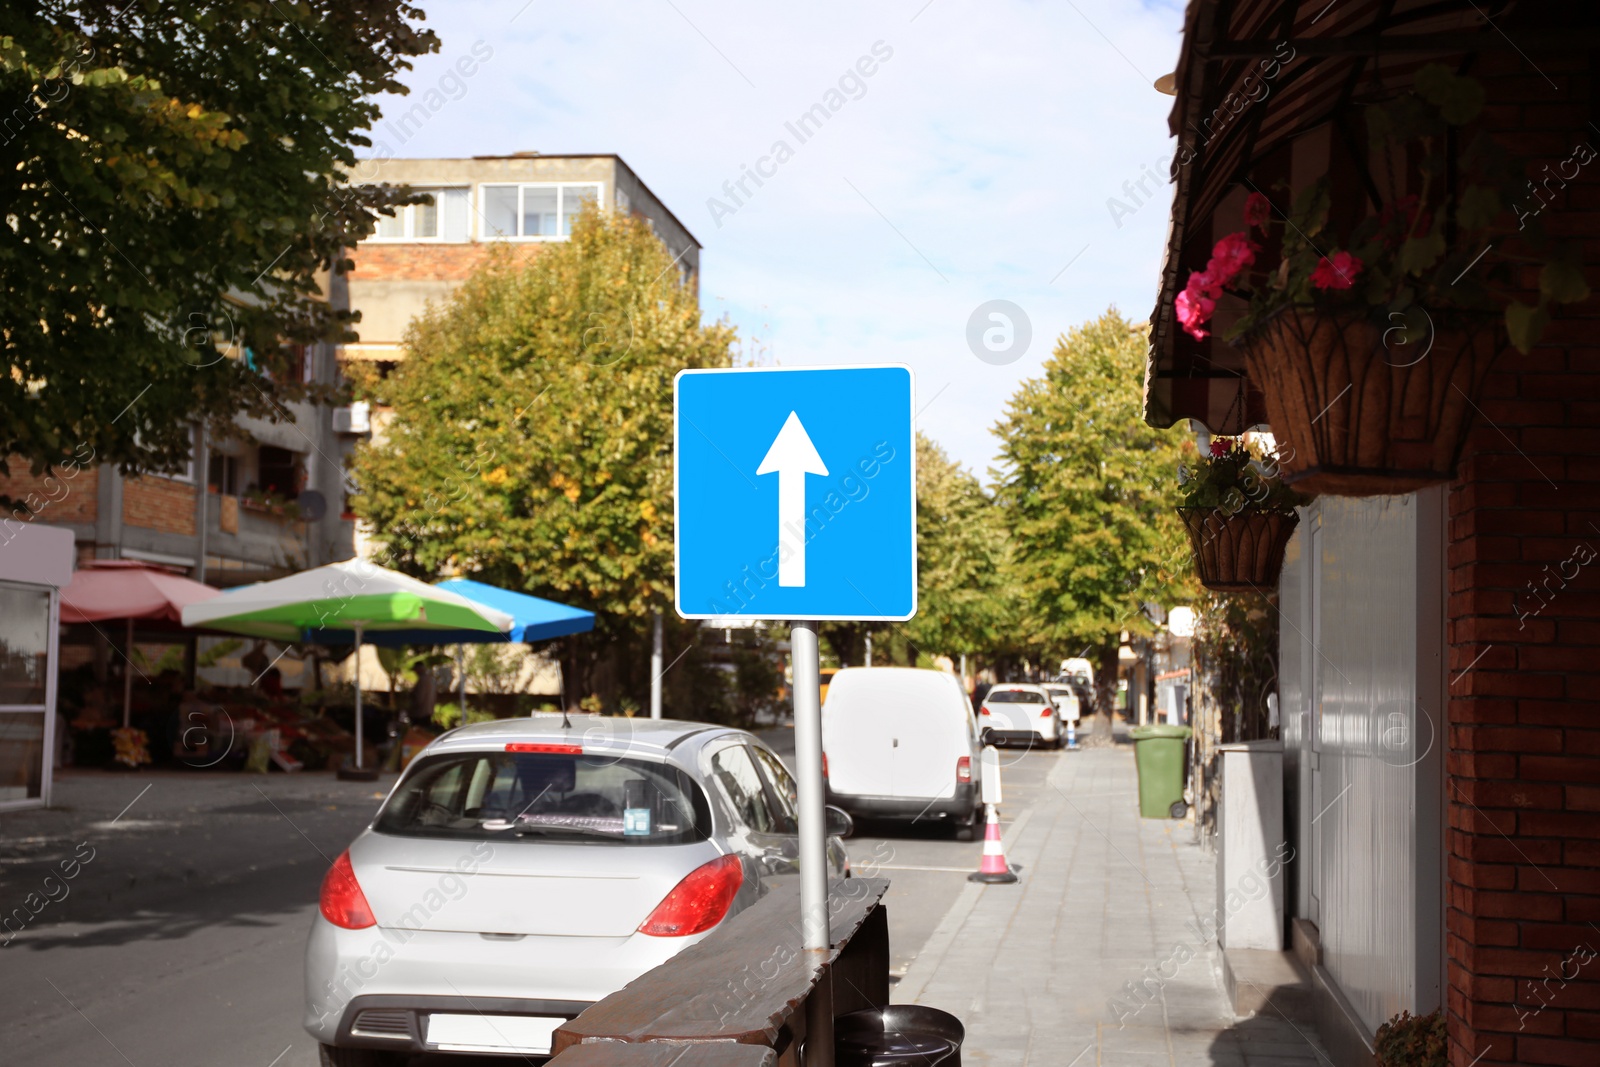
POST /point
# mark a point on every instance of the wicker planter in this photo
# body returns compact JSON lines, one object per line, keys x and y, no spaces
{"x":1238,"y":553}
{"x":1360,"y":419}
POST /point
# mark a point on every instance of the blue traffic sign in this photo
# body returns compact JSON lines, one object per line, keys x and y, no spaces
{"x":796,"y":493}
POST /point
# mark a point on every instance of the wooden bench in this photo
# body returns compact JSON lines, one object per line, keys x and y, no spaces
{"x":666,"y":1054}
{"x":750,"y":984}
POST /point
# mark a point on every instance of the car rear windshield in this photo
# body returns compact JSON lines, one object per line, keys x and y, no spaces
{"x":589,"y":798}
{"x":1014,"y":696}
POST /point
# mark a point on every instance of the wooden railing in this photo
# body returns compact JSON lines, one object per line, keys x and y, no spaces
{"x":741,"y":997}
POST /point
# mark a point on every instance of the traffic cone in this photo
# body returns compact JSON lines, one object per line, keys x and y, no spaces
{"x":993,"y":868}
{"x":1072,"y":734}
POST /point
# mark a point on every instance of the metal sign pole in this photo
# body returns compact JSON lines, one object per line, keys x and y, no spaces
{"x":808,"y":765}
{"x":655,"y":670}
{"x":813,"y":830}
{"x":357,"y":659}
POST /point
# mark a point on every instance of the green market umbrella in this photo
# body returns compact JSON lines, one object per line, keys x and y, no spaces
{"x":354,"y":596}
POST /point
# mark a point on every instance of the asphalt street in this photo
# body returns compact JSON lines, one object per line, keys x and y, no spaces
{"x":925,"y":864}
{"x":177,"y":939}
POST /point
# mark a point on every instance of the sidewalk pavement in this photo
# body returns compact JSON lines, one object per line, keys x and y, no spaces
{"x":1098,"y":955}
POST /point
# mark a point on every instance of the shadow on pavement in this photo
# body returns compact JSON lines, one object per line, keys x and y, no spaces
{"x":175,"y":911}
{"x":1262,"y":1040}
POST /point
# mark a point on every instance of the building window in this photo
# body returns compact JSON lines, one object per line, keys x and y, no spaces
{"x":223,"y":476}
{"x":278,"y":472}
{"x":442,"y":216}
{"x":544,"y":211}
{"x":183,"y":471}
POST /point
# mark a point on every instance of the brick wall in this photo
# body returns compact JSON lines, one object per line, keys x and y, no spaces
{"x":421,"y":261}
{"x":159,"y":504}
{"x":67,"y":495}
{"x":1523,"y":841}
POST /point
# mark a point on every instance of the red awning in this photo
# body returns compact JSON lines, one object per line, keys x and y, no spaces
{"x":128,"y":589}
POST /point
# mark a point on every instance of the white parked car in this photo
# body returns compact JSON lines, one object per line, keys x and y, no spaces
{"x":902,"y":743}
{"x":1068,"y":707}
{"x":521,"y":870}
{"x":1014,"y":713}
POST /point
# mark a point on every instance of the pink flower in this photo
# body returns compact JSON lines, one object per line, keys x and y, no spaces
{"x":1231,"y":255}
{"x":1198,"y":300}
{"x":1194,"y":306}
{"x":1340,"y":272}
{"x":1257,"y":211}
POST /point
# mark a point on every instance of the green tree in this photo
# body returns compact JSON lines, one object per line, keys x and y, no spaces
{"x":173,"y":177}
{"x":531,"y":439}
{"x":962,"y":556}
{"x":1086,"y":488}
{"x":961,"y":589}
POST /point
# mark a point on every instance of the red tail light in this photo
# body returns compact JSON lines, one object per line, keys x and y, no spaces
{"x":964,"y":769}
{"x":343,"y":903}
{"x":1047,"y":712}
{"x":698,"y":902}
{"x":984,"y":710}
{"x":559,"y":750}
{"x":824,"y":765}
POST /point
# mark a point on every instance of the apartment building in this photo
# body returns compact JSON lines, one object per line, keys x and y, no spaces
{"x":419,"y":256}
{"x":523,"y":200}
{"x":258,"y":505}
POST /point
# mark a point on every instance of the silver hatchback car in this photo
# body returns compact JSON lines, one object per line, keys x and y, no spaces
{"x":520,"y":870}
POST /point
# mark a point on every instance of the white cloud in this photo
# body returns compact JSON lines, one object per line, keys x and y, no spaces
{"x":990,"y":143}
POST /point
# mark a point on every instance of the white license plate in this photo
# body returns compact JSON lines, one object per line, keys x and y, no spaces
{"x":492,"y":1033}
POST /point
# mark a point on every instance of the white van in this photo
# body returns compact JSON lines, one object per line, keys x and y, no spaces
{"x":900,"y":742}
{"x":1078,"y":670}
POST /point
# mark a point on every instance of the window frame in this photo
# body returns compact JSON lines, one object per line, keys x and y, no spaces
{"x":51,"y":613}
{"x":561,"y":217}
{"x":786,"y":812}
{"x":407,"y":216}
{"x":696,"y":792}
{"x":994,"y":696}
{"x":714,"y":776}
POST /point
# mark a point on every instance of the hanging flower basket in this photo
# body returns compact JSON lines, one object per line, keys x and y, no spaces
{"x":1356,"y":412}
{"x":1240,"y":552}
{"x":1370,"y":337}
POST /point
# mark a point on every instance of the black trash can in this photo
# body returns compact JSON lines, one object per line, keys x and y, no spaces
{"x":901,"y":1035}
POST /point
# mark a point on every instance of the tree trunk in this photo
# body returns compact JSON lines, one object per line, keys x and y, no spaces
{"x":1106,"y":679}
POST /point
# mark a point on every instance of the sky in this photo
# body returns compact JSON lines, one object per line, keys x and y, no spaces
{"x":977,"y":162}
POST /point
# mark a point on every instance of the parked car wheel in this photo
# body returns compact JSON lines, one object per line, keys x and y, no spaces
{"x":357,"y":1057}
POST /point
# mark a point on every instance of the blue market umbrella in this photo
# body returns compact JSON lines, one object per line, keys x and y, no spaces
{"x":532,"y":619}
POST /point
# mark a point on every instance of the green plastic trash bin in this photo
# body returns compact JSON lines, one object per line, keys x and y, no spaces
{"x":1158,"y":752}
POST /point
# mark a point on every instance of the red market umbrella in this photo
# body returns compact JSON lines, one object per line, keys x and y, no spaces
{"x":131,"y":590}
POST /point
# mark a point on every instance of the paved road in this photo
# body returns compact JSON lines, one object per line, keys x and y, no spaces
{"x":178,"y":942}
{"x":925,"y":865}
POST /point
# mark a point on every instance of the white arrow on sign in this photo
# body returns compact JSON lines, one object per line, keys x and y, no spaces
{"x":792,"y":457}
